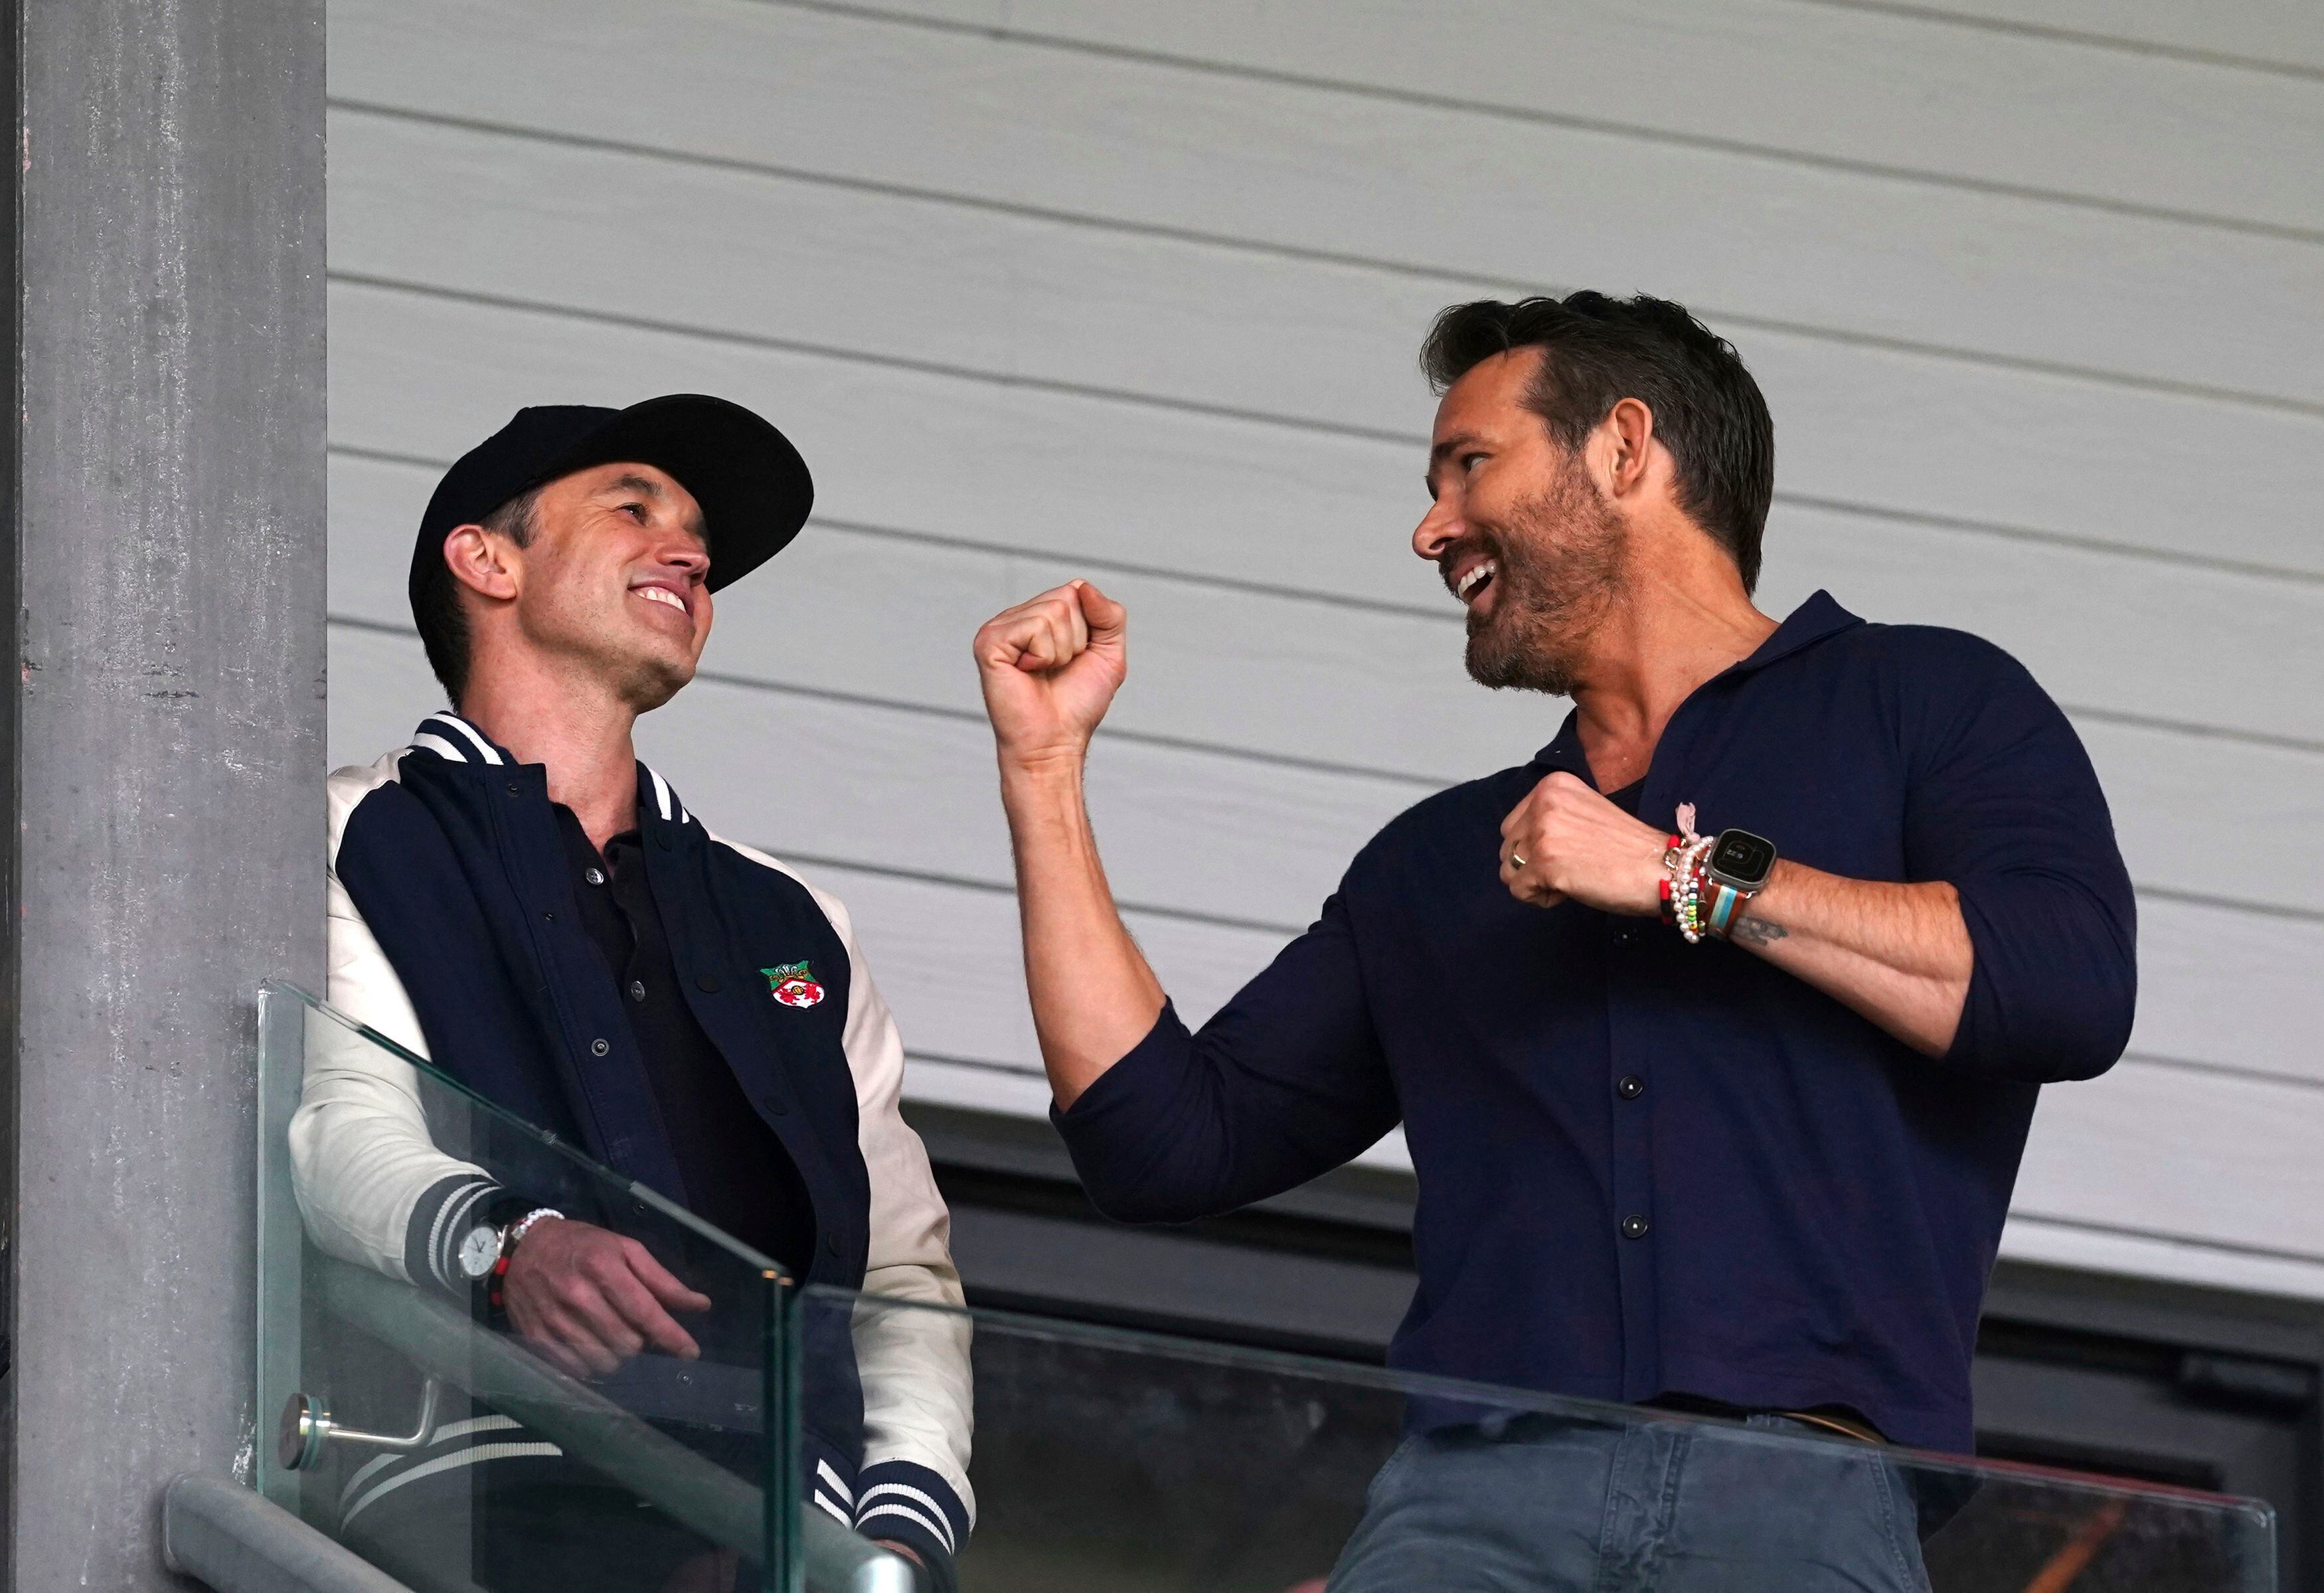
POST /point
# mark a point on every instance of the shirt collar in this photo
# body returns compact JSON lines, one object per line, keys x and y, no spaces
{"x":449,"y":736}
{"x":454,"y":739}
{"x":1819,"y":617}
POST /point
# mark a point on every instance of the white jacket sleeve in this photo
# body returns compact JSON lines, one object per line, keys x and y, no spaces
{"x":918,"y":1396}
{"x":372,"y":1185}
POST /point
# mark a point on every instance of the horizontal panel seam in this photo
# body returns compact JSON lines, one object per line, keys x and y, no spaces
{"x":982,"y":1064}
{"x":2240,"y":1070}
{"x":1264,"y":759}
{"x":2117,"y":43}
{"x":1530,"y":115}
{"x":2304,"y":745}
{"x":2126,"y":718}
{"x":1423,"y":785}
{"x":2123,"y":1230}
{"x":2237,"y":904}
{"x":1313,"y":426}
{"x":1458,"y":281}
{"x":1008,"y":888}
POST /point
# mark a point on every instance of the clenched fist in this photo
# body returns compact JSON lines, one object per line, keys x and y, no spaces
{"x":1565,"y":842}
{"x":1050,"y":668}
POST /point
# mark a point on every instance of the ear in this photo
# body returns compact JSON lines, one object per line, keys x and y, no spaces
{"x":1629,"y":433}
{"x":480,"y":561}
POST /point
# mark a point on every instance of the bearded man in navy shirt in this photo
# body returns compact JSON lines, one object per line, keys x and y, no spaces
{"x":1724,"y":1124}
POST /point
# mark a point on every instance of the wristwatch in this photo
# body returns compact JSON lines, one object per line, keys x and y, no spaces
{"x":480,"y":1247}
{"x":1741,"y":862}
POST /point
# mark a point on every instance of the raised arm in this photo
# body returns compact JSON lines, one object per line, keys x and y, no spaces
{"x":1049,"y":669}
{"x":1284,"y":1082}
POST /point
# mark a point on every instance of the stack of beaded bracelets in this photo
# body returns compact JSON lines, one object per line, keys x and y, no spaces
{"x":1692,"y":900}
{"x":1683,"y":889}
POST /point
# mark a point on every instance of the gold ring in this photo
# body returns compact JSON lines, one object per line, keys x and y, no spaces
{"x":1517,"y":859}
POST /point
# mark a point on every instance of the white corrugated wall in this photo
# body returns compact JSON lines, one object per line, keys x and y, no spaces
{"x":1132,"y":289}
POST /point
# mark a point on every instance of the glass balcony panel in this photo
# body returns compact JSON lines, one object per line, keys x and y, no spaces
{"x":461,"y":1454}
{"x":413,"y":1420}
{"x":1144,"y":1464}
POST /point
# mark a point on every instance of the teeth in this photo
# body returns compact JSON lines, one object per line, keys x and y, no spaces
{"x":662,"y":594}
{"x":1469,"y":582}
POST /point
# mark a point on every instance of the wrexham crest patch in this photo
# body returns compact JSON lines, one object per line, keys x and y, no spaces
{"x":793,"y":984}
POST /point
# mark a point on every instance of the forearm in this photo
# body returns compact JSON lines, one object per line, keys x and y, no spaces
{"x":1093,"y":996}
{"x":1896,"y":954}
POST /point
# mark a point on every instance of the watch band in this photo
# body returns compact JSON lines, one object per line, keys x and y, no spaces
{"x":510,"y":1237}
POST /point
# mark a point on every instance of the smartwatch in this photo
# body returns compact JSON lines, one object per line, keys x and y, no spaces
{"x":1741,"y":862}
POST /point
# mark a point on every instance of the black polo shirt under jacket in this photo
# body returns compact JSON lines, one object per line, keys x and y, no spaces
{"x":1651,"y":1169}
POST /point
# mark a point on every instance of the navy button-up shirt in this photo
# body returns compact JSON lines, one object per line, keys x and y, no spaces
{"x":1650,"y":1169}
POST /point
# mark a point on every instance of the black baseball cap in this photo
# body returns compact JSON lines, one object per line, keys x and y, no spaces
{"x":751,"y":484}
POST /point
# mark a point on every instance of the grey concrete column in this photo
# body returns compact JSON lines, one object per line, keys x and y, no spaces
{"x":165,"y":713}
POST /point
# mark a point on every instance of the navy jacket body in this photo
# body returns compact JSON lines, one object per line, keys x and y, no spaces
{"x":452,"y":863}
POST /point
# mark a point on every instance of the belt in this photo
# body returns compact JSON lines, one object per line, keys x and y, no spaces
{"x":1853,"y":1427}
{"x":1862,"y":1432}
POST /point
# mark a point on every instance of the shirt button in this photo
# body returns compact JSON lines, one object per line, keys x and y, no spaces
{"x":1634,"y":1227}
{"x":637,"y":990}
{"x":598,"y":1047}
{"x":1631,"y":1087}
{"x":595,"y":875}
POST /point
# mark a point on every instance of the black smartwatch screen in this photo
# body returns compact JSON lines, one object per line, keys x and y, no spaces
{"x":1742,"y":859}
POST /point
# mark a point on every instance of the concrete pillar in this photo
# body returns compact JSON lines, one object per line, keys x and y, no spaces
{"x":165,"y":753}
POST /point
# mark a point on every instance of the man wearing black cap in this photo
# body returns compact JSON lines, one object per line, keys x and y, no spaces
{"x":515,"y":897}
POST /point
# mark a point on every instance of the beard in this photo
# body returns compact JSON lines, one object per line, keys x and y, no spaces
{"x":1563,"y":559}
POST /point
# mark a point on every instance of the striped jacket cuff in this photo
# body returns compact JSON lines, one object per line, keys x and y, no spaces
{"x":446,"y":1210}
{"x":903,"y":1503}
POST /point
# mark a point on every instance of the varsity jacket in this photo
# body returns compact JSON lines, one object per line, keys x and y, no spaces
{"x":452,"y":931}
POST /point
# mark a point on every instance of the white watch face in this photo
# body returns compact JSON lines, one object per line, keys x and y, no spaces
{"x":478,"y":1251}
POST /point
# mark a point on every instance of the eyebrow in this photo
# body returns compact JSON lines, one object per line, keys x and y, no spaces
{"x":645,"y":486}
{"x":1459,"y":440}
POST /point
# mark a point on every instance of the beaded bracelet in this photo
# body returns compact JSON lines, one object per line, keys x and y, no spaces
{"x":1684,"y":891}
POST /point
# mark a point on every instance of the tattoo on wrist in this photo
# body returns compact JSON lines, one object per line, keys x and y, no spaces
{"x":1757,"y":932}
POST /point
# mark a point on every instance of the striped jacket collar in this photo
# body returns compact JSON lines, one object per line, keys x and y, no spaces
{"x":458,"y":740}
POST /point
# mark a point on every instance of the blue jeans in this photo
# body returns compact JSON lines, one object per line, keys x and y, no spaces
{"x":1551,"y":1506}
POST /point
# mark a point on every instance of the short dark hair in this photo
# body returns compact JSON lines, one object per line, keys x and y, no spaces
{"x":442,"y":620}
{"x":1598,"y":351}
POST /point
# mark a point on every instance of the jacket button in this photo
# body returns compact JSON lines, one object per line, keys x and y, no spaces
{"x":1634,"y":1227}
{"x":598,"y":1047}
{"x":707,"y":984}
{"x":512,"y":789}
{"x":775,"y":1104}
{"x":548,"y":917}
{"x":594,"y":874}
{"x":1631,"y":1087}
{"x":830,"y":1247}
{"x":637,"y":990}
{"x":661,"y":839}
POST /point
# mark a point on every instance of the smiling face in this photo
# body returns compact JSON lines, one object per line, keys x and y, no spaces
{"x":612,"y":581}
{"x":1519,"y":531}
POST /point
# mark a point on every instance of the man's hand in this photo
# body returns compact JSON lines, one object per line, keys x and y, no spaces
{"x":1050,"y":668}
{"x":1566,"y":841}
{"x":589,"y":1299}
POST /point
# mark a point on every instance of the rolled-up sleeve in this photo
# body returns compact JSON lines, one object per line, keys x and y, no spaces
{"x":2003,"y":806}
{"x":1285,"y":1083}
